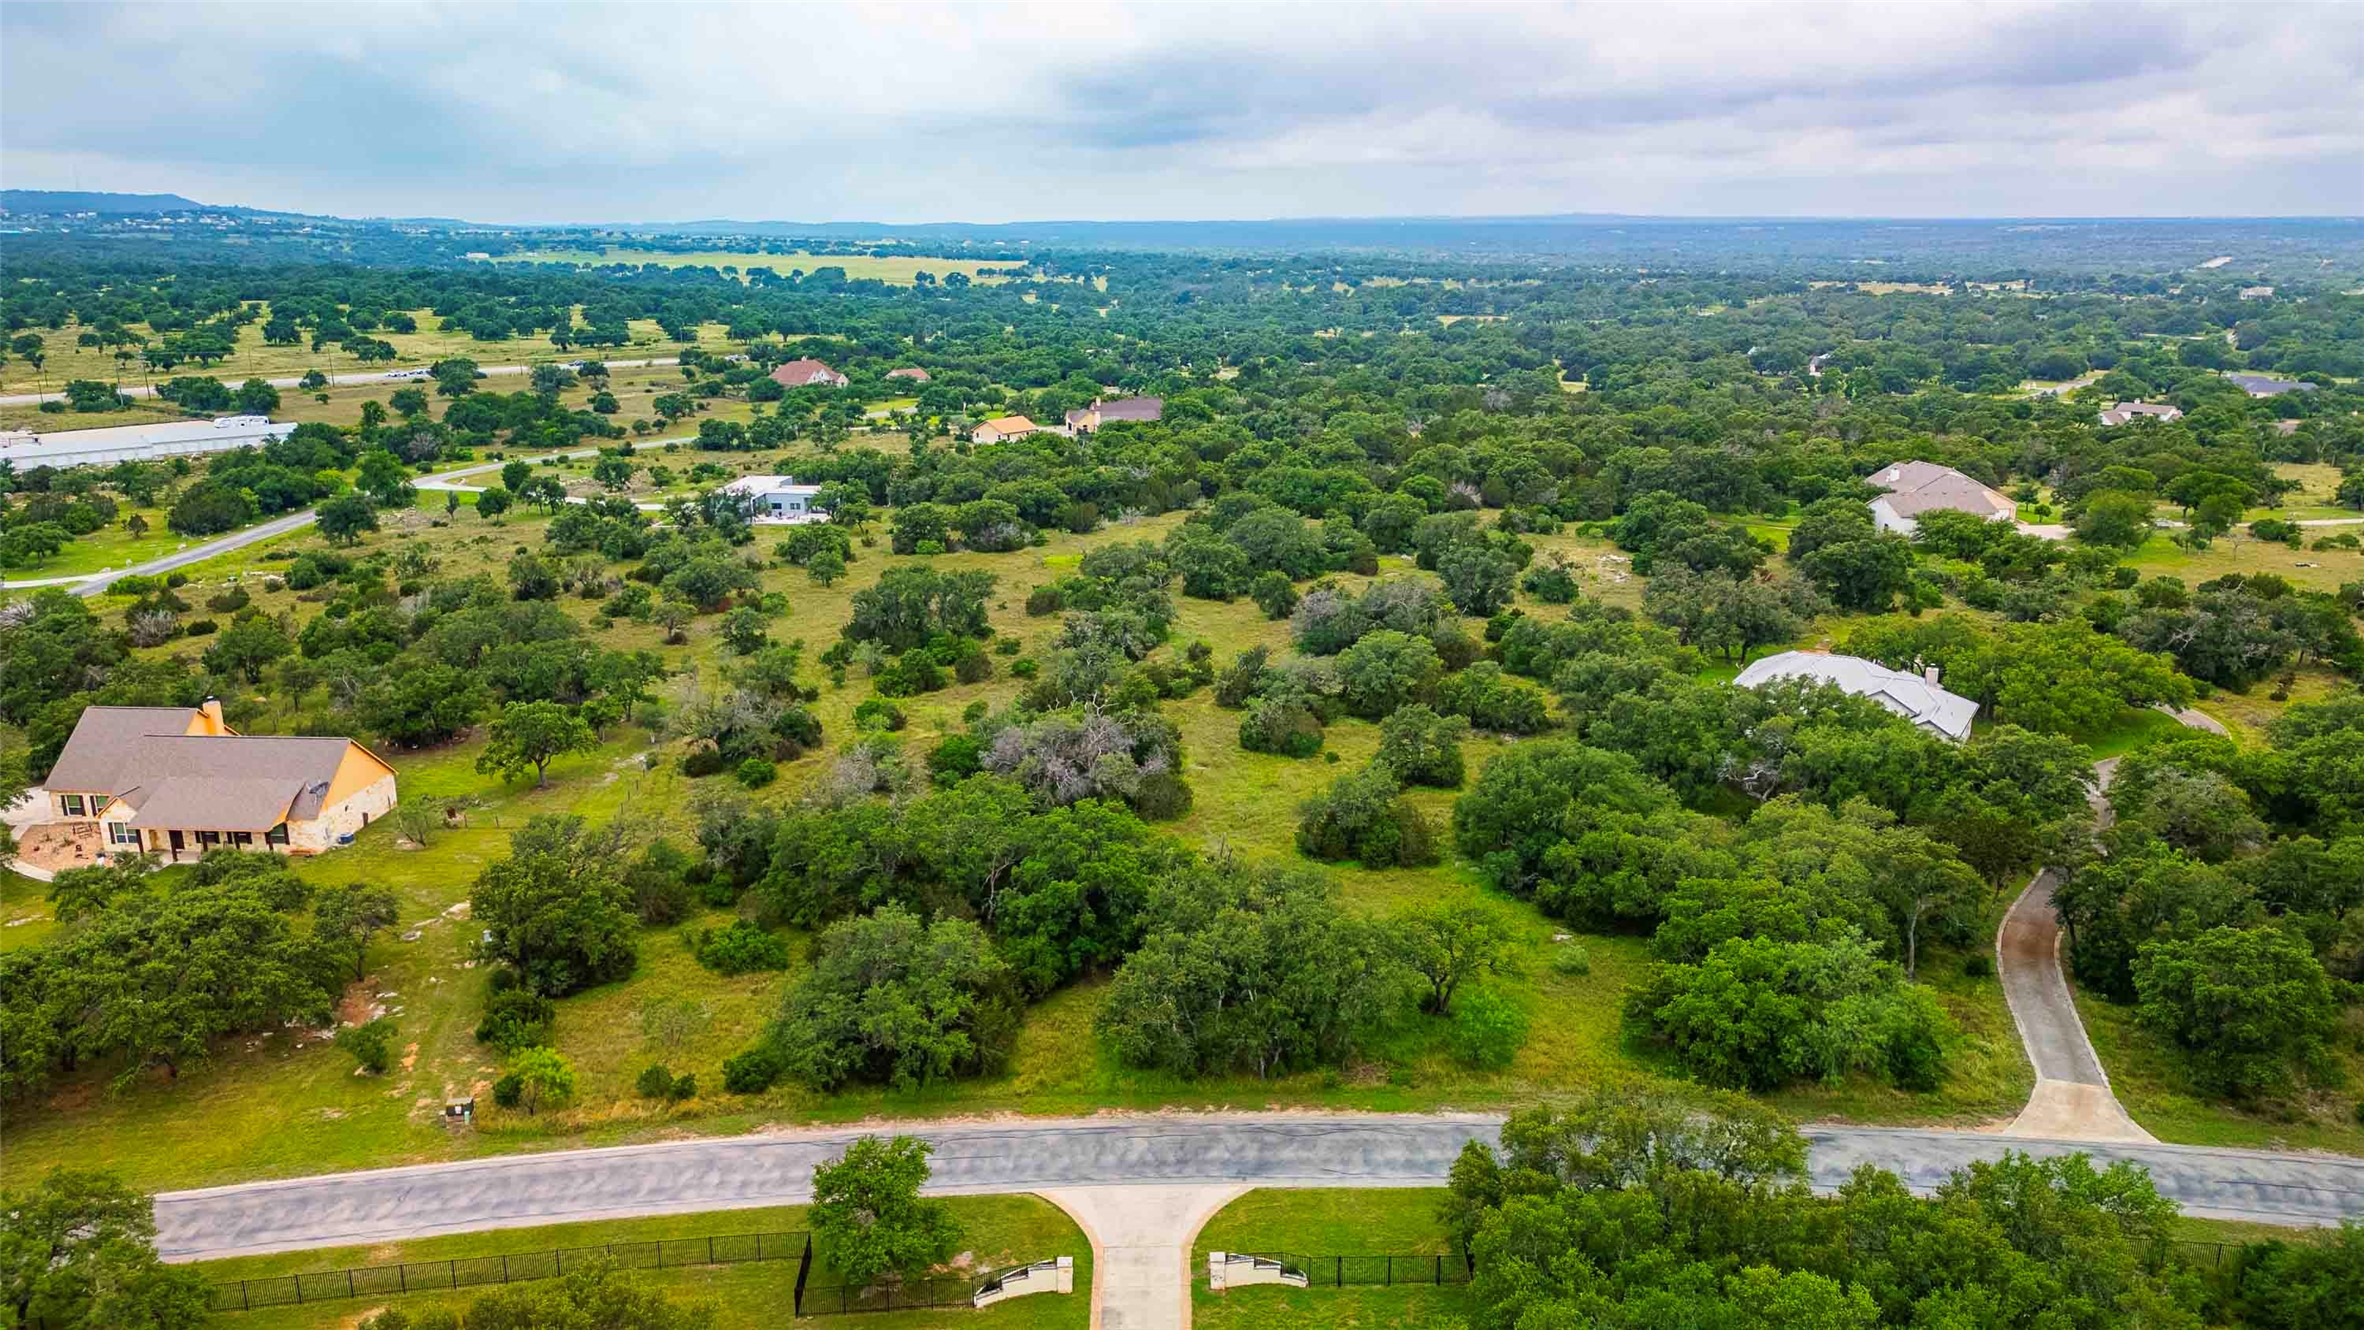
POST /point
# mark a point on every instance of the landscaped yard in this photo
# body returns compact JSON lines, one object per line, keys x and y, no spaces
{"x":998,"y":1231}
{"x":1400,"y":1221}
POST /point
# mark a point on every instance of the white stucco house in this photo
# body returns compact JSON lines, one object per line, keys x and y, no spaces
{"x":1914,"y":488}
{"x":1916,"y":697}
{"x":777,"y":500}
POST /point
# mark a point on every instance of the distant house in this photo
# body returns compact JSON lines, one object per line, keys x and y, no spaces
{"x":1914,"y":488}
{"x":2257,"y":293}
{"x":911,"y":372}
{"x":1141,"y":409}
{"x":2267,"y":385}
{"x":807,"y":374}
{"x":178,"y":781}
{"x":2125,"y":411}
{"x":1003,"y":427}
{"x":1915,"y":697}
{"x":778,"y":500}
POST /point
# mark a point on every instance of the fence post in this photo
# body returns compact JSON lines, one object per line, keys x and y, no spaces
{"x":504,"y":1267}
{"x":243,"y":1303}
{"x":348,"y":1281}
{"x":709,"y":1249}
{"x":1338,"y":1272}
{"x":451,"y":1272}
{"x":404,"y":1272}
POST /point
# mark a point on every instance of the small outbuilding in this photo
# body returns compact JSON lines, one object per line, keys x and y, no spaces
{"x":911,"y":372}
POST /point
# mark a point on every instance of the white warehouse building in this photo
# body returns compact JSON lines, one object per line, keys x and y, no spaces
{"x":138,"y":443}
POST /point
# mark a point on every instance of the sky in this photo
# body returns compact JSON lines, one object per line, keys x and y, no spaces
{"x":652,"y":112}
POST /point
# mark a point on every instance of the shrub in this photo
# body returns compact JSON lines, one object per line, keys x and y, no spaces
{"x":1570,"y":959}
{"x":371,"y":1044}
{"x":514,"y":1017}
{"x":1283,"y":726}
{"x":542,"y":1078}
{"x":1365,"y":817}
{"x":739,"y":949}
{"x":1978,"y":965}
{"x":655,"y":1082}
{"x":1487,"y":1030}
{"x":878,"y":714}
{"x":753,"y":1071}
{"x":685,"y":1086}
{"x":756,"y":772}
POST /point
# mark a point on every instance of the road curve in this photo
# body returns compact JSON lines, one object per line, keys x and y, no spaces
{"x":91,"y":584}
{"x":400,"y":374}
{"x":1294,"y":1150}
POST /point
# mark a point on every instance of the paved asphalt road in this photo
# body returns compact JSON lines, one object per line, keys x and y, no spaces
{"x":342,"y":380}
{"x":1370,"y":1150}
{"x":91,"y":584}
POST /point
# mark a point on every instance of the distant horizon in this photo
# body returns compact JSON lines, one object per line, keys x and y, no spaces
{"x":1736,"y":219}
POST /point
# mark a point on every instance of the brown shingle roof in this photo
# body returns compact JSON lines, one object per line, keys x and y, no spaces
{"x":104,"y":738}
{"x":798,"y":373}
{"x":908,"y":372}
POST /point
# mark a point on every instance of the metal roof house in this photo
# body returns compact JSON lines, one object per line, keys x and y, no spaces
{"x":2268,"y":385}
{"x":135,"y":443}
{"x":1914,"y":488}
{"x":178,"y":781}
{"x":1137,"y":409}
{"x":2126,"y":411}
{"x":1915,"y":697}
{"x":777,"y":500}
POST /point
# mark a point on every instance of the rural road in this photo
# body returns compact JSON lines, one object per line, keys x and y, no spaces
{"x":1293,"y":1150}
{"x":347,"y":380}
{"x":91,"y":584}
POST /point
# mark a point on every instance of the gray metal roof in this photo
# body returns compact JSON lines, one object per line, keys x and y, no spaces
{"x":1908,"y":695}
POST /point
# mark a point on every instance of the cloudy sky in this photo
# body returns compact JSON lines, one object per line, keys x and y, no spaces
{"x":943,"y":112}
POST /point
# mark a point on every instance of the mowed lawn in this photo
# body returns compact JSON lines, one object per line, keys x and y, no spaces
{"x":997,"y":1232}
{"x":1311,"y":1224}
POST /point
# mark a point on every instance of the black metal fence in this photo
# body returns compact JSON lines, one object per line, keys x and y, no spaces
{"x":909,"y":1295}
{"x":374,"y":1281}
{"x":1342,"y":1271}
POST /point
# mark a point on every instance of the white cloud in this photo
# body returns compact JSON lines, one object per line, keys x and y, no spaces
{"x":960,"y":112}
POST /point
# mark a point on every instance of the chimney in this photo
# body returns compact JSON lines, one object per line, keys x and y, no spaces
{"x":211,"y":709}
{"x":1930,"y":673}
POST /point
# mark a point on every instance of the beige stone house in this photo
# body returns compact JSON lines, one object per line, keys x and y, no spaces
{"x":178,"y":781}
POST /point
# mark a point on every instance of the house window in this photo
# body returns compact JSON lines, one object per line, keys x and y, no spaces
{"x":98,"y":804}
{"x":120,"y":833}
{"x":242,"y":838}
{"x":70,"y":804}
{"x":209,"y":838}
{"x":276,"y":835}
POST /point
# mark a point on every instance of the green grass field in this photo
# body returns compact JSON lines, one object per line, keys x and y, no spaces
{"x":286,"y":1103}
{"x":64,"y":360}
{"x":998,"y":1231}
{"x":893,"y":269}
{"x":1400,"y":1221}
